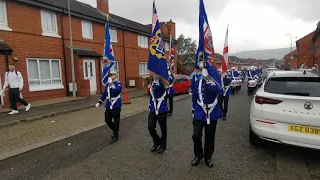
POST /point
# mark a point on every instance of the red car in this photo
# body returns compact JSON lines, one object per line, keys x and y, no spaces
{"x":181,"y":84}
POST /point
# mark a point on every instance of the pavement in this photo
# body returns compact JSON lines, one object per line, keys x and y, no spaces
{"x":89,"y":155}
{"x":53,"y":107}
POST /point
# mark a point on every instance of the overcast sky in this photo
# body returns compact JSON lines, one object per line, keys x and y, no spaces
{"x":253,"y":24}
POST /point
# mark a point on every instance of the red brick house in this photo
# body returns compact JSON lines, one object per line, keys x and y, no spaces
{"x":291,"y":60}
{"x":34,"y":36}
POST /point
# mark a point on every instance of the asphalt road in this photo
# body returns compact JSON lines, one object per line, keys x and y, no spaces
{"x":90,"y":156}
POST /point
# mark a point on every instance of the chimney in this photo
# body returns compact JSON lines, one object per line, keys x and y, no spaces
{"x":103,"y":6}
{"x":172,"y":27}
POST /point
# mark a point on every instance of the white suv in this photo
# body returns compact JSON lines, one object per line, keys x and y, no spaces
{"x":286,"y":109}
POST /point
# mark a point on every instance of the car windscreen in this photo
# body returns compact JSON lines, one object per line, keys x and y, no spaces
{"x":297,"y":86}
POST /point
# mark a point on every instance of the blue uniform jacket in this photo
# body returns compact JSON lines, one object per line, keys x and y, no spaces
{"x":252,"y":73}
{"x":212,"y":93}
{"x":226,"y":82}
{"x":194,"y":79}
{"x":171,"y":89}
{"x":159,"y":92}
{"x":235,"y":74}
{"x":115,"y":92}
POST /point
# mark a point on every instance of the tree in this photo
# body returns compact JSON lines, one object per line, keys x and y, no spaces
{"x":186,"y":48}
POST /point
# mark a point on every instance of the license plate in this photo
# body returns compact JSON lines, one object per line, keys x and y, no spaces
{"x":304,"y":129}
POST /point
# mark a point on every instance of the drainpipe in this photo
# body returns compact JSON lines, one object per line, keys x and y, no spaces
{"x":64,"y":53}
{"x":124,"y":59}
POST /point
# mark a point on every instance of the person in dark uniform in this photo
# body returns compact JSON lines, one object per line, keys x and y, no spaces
{"x":158,"y":113}
{"x":113,"y":105}
{"x":224,"y":94}
{"x":170,"y":93}
{"x":194,"y":79}
{"x":205,"y":117}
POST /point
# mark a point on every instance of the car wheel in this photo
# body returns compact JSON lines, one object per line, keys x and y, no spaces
{"x":189,"y":90}
{"x":253,"y":138}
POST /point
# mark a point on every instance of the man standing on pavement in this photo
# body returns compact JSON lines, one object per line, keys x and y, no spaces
{"x":113,"y":105}
{"x":14,"y":80}
{"x":158,"y":112}
{"x":170,"y":92}
{"x":224,"y":94}
{"x":205,"y":100}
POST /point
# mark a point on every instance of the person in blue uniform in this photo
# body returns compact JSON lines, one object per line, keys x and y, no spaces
{"x":194,"y":79}
{"x":170,"y":93}
{"x":113,"y":104}
{"x":206,"y":109}
{"x":158,"y":113}
{"x":224,"y":95}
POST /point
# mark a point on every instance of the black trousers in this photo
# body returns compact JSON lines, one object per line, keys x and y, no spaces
{"x":14,"y":96}
{"x":114,"y":125}
{"x":223,"y":102}
{"x":170,"y":97}
{"x":210,"y":133}
{"x":152,"y":124}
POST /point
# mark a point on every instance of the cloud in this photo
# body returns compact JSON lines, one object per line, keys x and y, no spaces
{"x":254,"y":24}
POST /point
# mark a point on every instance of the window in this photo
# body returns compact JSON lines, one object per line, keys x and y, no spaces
{"x":44,"y":74}
{"x":143,"y":41}
{"x":114,"y":35}
{"x":167,"y":46}
{"x":143,"y":69}
{"x":49,"y":24}
{"x":3,"y":17}
{"x":294,"y":86}
{"x":87,"y":29}
{"x":115,"y":67}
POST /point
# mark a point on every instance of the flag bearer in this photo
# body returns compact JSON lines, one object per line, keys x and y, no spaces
{"x":113,"y":105}
{"x":194,"y":79}
{"x":170,"y":92}
{"x":224,"y":94}
{"x":200,"y":101}
{"x":158,"y":113}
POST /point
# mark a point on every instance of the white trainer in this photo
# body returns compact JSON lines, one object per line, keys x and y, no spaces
{"x":28,"y":107}
{"x":13,"y":112}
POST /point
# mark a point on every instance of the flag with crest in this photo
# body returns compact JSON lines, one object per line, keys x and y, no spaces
{"x":108,"y":56}
{"x":157,"y":63}
{"x":205,"y":50}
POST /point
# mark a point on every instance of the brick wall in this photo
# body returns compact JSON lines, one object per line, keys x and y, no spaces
{"x":304,"y":56}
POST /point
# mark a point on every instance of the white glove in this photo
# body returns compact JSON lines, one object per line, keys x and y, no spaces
{"x":109,"y":80}
{"x":98,"y":105}
{"x":205,"y":72}
{"x":1,"y":92}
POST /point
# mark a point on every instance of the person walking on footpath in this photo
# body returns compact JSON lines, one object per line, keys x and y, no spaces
{"x":14,"y":81}
{"x":224,"y":95}
{"x":206,"y":115}
{"x":112,"y":94}
{"x":170,"y":92}
{"x":158,"y":113}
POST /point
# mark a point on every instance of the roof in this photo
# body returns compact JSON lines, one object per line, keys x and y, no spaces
{"x":86,"y":52}
{"x":4,"y":47}
{"x":316,"y":33}
{"x":88,"y":12}
{"x":189,"y":60}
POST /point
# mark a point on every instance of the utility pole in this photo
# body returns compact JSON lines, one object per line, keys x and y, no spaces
{"x":71,"y":52}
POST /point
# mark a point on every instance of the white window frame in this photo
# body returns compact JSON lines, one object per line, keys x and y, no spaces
{"x":116,"y":65}
{"x":116,"y":38}
{"x":4,"y":26}
{"x":46,"y":32}
{"x":83,"y":35}
{"x":44,"y":87}
{"x":167,"y":44}
{"x":145,"y":39}
{"x":145,"y":64}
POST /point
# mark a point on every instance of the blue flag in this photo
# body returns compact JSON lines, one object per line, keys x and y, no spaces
{"x":205,"y":47}
{"x":108,"y":57}
{"x":157,"y":63}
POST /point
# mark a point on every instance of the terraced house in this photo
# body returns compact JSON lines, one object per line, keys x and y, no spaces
{"x":34,"y":36}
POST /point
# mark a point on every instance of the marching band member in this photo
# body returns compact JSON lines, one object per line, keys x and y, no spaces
{"x":171,"y":92}
{"x":203,"y":103}
{"x":158,"y":112}
{"x":194,"y":79}
{"x":113,"y":105}
{"x":224,"y":94}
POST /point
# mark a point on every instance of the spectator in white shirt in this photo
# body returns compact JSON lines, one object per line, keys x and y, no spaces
{"x":14,"y":80}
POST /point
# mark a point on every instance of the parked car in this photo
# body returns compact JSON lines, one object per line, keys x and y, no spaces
{"x":181,"y":84}
{"x":286,"y":109}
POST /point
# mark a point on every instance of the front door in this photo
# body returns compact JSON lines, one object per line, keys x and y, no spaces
{"x":89,"y":71}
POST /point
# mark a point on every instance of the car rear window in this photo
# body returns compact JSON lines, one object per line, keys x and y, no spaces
{"x":297,"y":86}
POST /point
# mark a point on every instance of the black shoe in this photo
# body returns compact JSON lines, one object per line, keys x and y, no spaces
{"x":154,"y":147}
{"x":224,"y":118}
{"x":196,"y":161}
{"x":161,"y":150}
{"x":113,"y":139}
{"x":169,"y":114}
{"x":209,"y":163}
